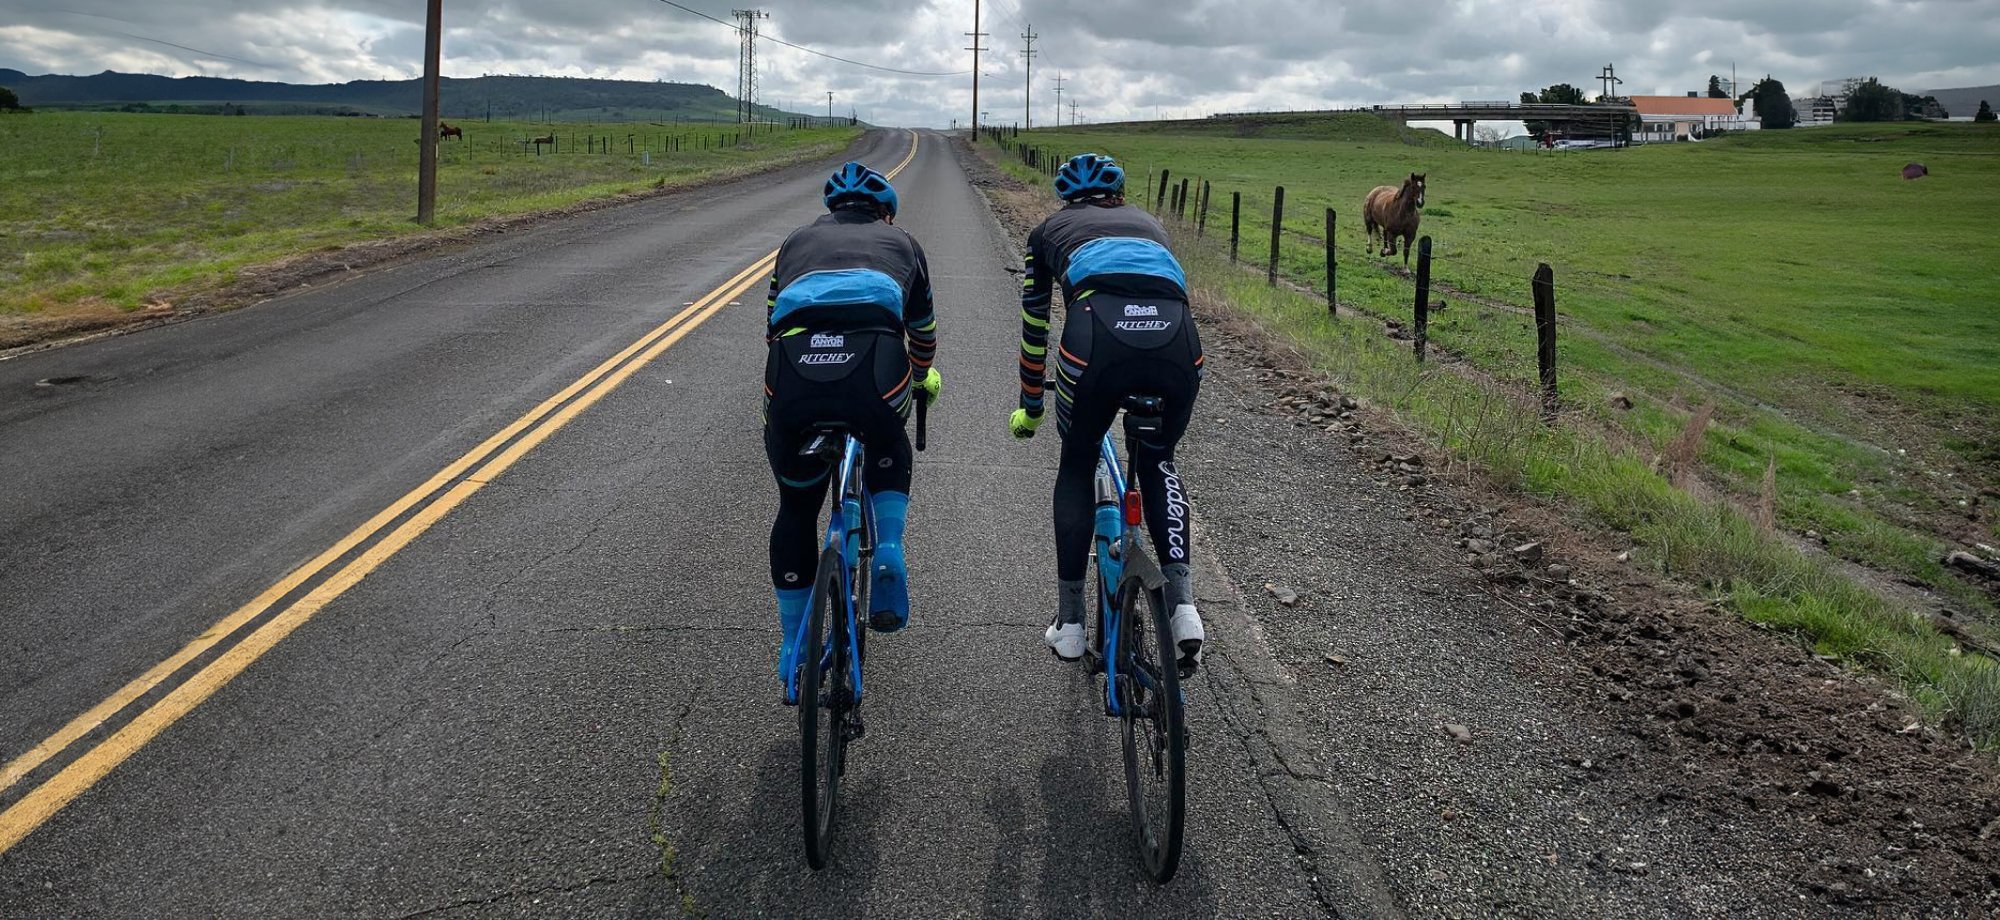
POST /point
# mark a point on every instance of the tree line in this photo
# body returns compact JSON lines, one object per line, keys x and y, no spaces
{"x":1871,"y":100}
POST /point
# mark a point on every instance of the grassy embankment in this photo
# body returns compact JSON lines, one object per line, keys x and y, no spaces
{"x":1838,"y":318}
{"x":104,"y":210}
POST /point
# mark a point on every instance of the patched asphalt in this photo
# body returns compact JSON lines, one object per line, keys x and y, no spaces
{"x":559,"y":700}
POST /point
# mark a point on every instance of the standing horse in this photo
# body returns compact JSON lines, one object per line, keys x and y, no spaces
{"x":445,"y":130}
{"x":1393,"y":212}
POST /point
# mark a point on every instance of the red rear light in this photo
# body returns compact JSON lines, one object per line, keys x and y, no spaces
{"x":1134,"y":511}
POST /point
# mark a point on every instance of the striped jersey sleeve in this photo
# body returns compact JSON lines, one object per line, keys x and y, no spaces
{"x":1037,"y":293}
{"x":920,"y":315}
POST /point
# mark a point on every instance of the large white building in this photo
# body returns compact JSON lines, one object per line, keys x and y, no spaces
{"x":1690,"y":117}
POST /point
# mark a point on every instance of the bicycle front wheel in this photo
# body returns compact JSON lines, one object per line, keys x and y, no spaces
{"x":1155,"y":738}
{"x":823,"y":706}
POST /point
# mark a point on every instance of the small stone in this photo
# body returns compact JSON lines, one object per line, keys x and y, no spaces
{"x":1964,"y":561}
{"x":1285,"y":596}
{"x":1479,"y":546}
{"x":1559,"y":572}
{"x":1529,"y":553}
{"x":1620,"y":401}
{"x":1625,"y":556}
{"x":1459,"y":733}
{"x":1338,"y":661}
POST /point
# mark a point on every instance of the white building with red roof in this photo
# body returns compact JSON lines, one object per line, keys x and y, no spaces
{"x":1690,"y":117}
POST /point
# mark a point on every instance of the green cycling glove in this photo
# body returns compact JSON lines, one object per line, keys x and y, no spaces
{"x":1022,"y":424}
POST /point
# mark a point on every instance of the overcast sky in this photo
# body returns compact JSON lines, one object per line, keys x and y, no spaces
{"x":1121,"y":59}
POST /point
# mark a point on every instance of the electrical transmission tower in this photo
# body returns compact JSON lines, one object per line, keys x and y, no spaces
{"x":1028,"y":53}
{"x":746,"y":66}
{"x":1072,"y":109}
{"x":1059,"y":83}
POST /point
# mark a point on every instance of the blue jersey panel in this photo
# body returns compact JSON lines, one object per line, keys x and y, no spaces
{"x":1123,"y":255}
{"x":846,"y":287}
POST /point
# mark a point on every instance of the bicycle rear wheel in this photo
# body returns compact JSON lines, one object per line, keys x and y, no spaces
{"x":823,"y":706}
{"x":1154,"y":735}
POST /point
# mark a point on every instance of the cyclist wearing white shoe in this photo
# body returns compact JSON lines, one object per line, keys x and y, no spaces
{"x":1127,"y":331}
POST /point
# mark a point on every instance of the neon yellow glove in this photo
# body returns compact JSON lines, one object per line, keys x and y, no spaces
{"x":1022,"y":424}
{"x":930,"y":385}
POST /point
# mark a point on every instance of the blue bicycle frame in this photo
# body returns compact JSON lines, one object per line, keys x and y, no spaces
{"x":851,"y":528}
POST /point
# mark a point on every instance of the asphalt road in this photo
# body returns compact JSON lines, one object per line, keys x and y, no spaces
{"x":555,"y":696}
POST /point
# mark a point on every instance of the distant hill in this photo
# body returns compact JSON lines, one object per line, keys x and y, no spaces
{"x":504,"y":97}
{"x":1962,"y":102}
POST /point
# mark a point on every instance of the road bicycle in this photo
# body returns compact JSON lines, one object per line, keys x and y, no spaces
{"x":827,"y":683}
{"x":1142,"y":671}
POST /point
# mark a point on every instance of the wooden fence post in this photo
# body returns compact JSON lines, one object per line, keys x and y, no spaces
{"x":1235,"y":223}
{"x":1332,"y":307}
{"x":1201,"y":218}
{"x":1423,"y":323}
{"x":1164,"y":173}
{"x":1181,"y":212}
{"x":1545,"y":336}
{"x":1277,"y":230}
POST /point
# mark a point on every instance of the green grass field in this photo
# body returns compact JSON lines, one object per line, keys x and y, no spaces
{"x":1843,"y":320}
{"x":107,"y":209}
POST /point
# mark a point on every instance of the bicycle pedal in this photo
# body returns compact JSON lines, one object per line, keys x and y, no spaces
{"x":853,"y":728}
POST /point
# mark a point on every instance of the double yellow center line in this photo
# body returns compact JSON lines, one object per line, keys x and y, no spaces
{"x":431,"y":501}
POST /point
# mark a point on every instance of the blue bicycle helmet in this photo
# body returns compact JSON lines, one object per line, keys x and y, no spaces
{"x":855,"y":182}
{"x":1088,"y":175}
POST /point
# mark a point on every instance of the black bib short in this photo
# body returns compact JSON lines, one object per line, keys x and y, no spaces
{"x":856,"y":378}
{"x":1113,"y":347}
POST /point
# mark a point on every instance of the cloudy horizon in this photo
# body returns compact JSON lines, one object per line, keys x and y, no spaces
{"x":1119,"y":59}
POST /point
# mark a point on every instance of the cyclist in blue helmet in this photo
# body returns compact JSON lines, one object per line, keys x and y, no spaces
{"x":851,"y":332}
{"x":1127,"y":331}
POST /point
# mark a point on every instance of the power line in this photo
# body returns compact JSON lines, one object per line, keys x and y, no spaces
{"x":833,"y":57}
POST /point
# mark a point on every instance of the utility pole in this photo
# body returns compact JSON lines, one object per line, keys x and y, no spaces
{"x":976,"y":35}
{"x":1059,"y":83}
{"x":829,"y":108}
{"x":746,"y":63}
{"x":1072,"y":110}
{"x":1028,"y":53}
{"x":427,"y":146}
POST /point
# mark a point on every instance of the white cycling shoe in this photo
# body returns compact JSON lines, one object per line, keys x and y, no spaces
{"x":1188,"y":636}
{"x":1065,"y":639}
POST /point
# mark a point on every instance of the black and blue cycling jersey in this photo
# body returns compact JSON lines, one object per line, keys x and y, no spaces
{"x":1089,"y":247}
{"x":848,"y":270}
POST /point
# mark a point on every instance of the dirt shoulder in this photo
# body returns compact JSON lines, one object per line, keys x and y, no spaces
{"x":1560,"y":734}
{"x":20,"y":334}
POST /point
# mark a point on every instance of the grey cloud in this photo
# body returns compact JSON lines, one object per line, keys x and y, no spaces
{"x":1126,"y":58}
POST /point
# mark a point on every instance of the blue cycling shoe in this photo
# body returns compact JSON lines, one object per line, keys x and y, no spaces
{"x":889,"y":598}
{"x":791,"y":620}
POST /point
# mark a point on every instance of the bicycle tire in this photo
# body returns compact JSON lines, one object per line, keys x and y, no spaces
{"x":1151,"y":715}
{"x":822,"y":743}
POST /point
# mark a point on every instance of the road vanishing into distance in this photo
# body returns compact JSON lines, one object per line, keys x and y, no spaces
{"x":443,"y":591}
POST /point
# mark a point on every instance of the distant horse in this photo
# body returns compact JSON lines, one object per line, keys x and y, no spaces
{"x":549,"y":138}
{"x":1393,"y":212}
{"x":445,"y":130}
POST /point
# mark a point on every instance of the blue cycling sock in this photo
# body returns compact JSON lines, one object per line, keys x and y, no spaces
{"x":791,"y":614}
{"x":892,"y":509}
{"x":890,"y":597}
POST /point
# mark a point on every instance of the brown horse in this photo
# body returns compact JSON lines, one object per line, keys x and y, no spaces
{"x":1393,"y":212}
{"x":445,"y":130}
